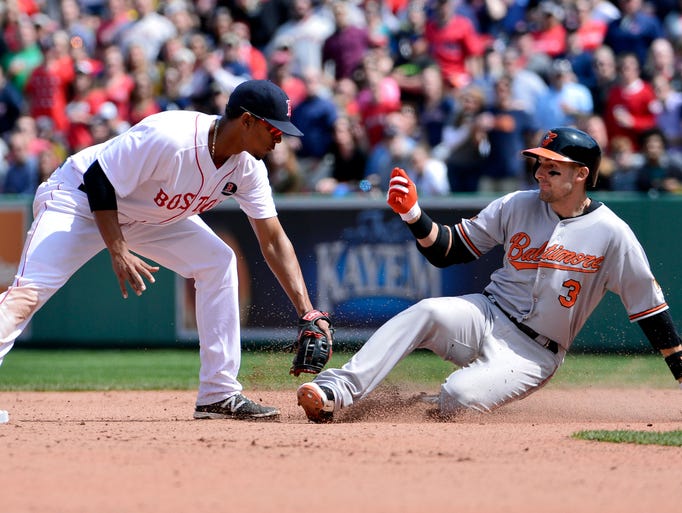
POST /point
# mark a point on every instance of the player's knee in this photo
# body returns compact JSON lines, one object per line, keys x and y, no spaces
{"x":459,"y":396}
{"x":428,"y":309}
{"x":221,"y":265}
{"x":16,"y":307}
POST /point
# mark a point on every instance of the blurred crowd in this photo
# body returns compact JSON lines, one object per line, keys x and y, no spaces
{"x":450,"y":90}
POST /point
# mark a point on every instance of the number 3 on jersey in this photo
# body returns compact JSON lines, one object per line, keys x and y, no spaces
{"x":569,"y":299}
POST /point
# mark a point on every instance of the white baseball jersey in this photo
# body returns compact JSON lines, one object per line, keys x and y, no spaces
{"x":556,"y":271}
{"x":163,"y":175}
{"x":162,"y":171}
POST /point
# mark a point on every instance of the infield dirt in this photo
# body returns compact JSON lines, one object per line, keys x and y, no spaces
{"x":139,"y":452}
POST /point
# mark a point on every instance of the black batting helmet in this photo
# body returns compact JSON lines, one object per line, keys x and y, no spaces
{"x":567,"y":144}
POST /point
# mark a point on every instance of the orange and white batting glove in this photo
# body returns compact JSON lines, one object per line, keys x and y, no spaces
{"x":402,"y":195}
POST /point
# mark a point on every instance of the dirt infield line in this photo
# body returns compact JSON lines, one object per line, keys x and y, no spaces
{"x":130,"y":452}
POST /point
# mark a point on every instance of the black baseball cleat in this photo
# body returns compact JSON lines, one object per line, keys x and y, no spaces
{"x":317,"y":402}
{"x":236,"y":407}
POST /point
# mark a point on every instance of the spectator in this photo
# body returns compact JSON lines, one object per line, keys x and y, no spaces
{"x":661,"y":60}
{"x":315,"y":117}
{"x":408,"y":41}
{"x":184,"y":19}
{"x":345,"y":95}
{"x":629,"y":102}
{"x":465,"y":144}
{"x":429,"y":175}
{"x":281,"y":74}
{"x":221,"y":23}
{"x":379,"y":96}
{"x":380,"y":23}
{"x":410,"y":74}
{"x":634,"y":31}
{"x":393,"y":150}
{"x":549,"y":36}
{"x":589,"y":29}
{"x":249,"y":54}
{"x":594,"y":125}
{"x":208,"y":70}
{"x":49,"y":85}
{"x":605,"y":77}
{"x":672,"y":23}
{"x":106,"y":123}
{"x":81,"y":34}
{"x":627,"y":161}
{"x":304,"y":35}
{"x":526,"y":85}
{"x":115,"y":20}
{"x":668,"y":111}
{"x":20,"y":61}
{"x":348,"y":158}
{"x":454,"y":43}
{"x":510,"y":130}
{"x":22,"y":171}
{"x":284,"y":172}
{"x":660,"y":172}
{"x":566,"y":100}
{"x":151,"y":29}
{"x":263,"y":17}
{"x":117,"y":82}
{"x":232,"y":58}
{"x":28,"y":126}
{"x":343,"y":50}
{"x":435,"y":108}
{"x":172,"y":96}
{"x":86,"y":99}
{"x":143,"y":101}
{"x":581,"y":61}
{"x":136,"y":61}
{"x":48,"y":160}
{"x":493,"y":69}
{"x":11,"y":105}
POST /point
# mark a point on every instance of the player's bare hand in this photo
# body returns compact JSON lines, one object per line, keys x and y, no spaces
{"x":131,"y":269}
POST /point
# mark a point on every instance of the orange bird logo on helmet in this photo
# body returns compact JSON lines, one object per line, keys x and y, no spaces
{"x":549,"y":137}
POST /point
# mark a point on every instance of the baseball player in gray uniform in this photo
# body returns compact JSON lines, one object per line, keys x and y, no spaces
{"x":141,"y":193}
{"x":562,"y":252}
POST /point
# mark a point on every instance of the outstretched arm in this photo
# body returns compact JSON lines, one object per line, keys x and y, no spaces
{"x":437,"y":242}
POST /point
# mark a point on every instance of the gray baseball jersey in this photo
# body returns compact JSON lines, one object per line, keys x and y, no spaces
{"x":554,"y":273}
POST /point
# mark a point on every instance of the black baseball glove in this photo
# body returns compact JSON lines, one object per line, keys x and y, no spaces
{"x":311,"y":346}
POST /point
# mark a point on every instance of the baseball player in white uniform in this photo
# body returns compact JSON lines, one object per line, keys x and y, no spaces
{"x":141,"y":193}
{"x":562,"y":252}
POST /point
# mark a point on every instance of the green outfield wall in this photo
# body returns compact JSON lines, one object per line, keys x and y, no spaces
{"x":359,"y":263}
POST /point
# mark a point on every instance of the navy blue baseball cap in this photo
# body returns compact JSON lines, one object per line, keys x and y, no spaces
{"x":265,"y":100}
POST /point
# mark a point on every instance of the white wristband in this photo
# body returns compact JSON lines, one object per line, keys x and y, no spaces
{"x":411,"y":214}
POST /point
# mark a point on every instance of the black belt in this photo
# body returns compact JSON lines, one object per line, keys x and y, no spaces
{"x":540,"y":339}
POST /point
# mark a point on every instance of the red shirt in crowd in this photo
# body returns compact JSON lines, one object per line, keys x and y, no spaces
{"x":451,"y":45}
{"x":47,"y":91}
{"x":636,"y":99}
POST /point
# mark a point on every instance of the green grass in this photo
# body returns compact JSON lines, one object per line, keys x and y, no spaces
{"x":39,"y":370}
{"x":670,"y":438}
